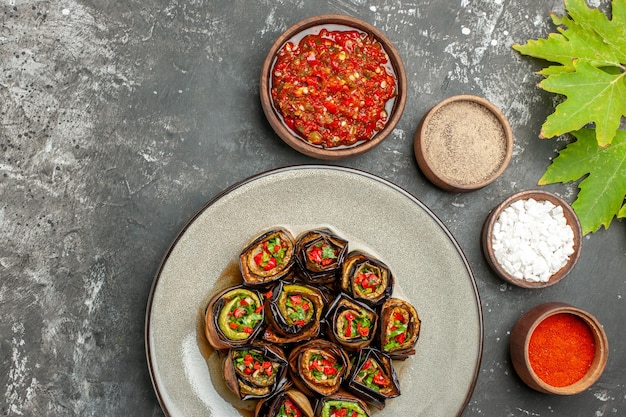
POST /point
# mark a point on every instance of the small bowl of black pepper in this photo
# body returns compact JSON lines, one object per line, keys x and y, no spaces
{"x":532,"y":239}
{"x":463,"y":143}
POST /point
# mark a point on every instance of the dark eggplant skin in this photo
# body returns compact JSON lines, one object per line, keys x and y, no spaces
{"x":280,"y":328}
{"x":215,"y":333}
{"x":389,"y":309}
{"x":358,"y":262}
{"x":313,"y":272}
{"x":341,"y":397}
{"x":251,"y":387}
{"x":269,"y":407}
{"x":302,"y":372}
{"x":255,"y":275}
{"x":381,"y":361}
{"x":335,"y":319}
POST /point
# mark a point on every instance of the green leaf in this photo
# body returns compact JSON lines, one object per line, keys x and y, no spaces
{"x":590,"y":50}
{"x":593,"y":95}
{"x":613,"y":31}
{"x":575,"y":42}
{"x":588,"y":66}
{"x":602,"y":192}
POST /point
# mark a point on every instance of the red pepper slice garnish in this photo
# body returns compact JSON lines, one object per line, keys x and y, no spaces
{"x":380,"y":379}
{"x":399,"y":317}
{"x":330,"y":371}
{"x":340,"y":413}
{"x":315,"y":255}
{"x":239,"y":312}
{"x":271,"y":264}
{"x":363,"y":331}
{"x":291,"y":409}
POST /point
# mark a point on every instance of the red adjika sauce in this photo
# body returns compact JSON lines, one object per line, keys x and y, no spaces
{"x":332,"y":88}
{"x":561,"y":349}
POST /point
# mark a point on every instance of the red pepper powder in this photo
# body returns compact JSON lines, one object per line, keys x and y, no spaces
{"x":561,"y":349}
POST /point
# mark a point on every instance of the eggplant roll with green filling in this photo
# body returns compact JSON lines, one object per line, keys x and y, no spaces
{"x":233,"y":318}
{"x":342,"y":404}
{"x":318,"y":367}
{"x":289,"y":403}
{"x":268,"y":258}
{"x":320,"y":255}
{"x":366,"y":278}
{"x":293,"y":313}
{"x":399,"y":328}
{"x":374,"y":378}
{"x":352,"y":324}
{"x":255,"y":371}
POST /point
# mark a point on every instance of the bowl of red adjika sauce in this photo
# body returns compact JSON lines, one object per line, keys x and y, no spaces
{"x":333,"y":86}
{"x":558,"y":349}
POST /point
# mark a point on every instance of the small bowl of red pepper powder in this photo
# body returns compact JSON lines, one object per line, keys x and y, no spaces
{"x":333,"y":86}
{"x":558,"y":349}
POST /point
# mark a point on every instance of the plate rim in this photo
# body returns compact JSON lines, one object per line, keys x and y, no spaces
{"x":288,"y":168}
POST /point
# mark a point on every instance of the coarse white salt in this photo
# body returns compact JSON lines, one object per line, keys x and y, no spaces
{"x":532,"y":240}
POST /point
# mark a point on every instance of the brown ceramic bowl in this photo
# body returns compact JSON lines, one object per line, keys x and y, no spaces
{"x":463,"y":143}
{"x":334,"y":22}
{"x":520,"y":340}
{"x":487,"y":238}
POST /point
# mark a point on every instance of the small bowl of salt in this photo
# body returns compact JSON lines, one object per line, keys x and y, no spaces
{"x":532,"y":239}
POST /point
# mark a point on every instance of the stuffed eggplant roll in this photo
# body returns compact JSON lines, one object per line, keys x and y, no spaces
{"x":268,"y":258}
{"x":366,"y":279}
{"x":320,"y":255}
{"x":352,"y":324}
{"x":255,"y":371}
{"x":293,"y":313}
{"x":374,"y":378}
{"x":318,"y":367}
{"x":399,"y":328}
{"x":342,"y":404}
{"x":233,"y":318}
{"x":289,"y":403}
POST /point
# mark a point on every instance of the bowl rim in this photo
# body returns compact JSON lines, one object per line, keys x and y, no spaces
{"x":520,"y":340}
{"x":423,"y":161}
{"x":540,"y":195}
{"x":298,"y":143}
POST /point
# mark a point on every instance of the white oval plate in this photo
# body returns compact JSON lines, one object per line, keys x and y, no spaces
{"x":430,"y":270}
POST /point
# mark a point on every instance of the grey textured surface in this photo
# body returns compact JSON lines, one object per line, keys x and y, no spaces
{"x":119,"y":120}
